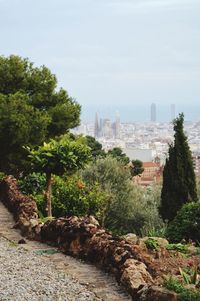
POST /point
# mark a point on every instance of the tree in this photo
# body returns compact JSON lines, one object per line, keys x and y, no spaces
{"x":32,"y":110}
{"x":123,"y":212}
{"x":179,"y":184}
{"x":118,"y":154}
{"x":20,"y":124}
{"x":58,"y":157}
{"x":96,"y":147}
{"x":136,"y":168}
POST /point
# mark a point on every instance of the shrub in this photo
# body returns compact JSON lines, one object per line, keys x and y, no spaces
{"x":151,"y":244}
{"x":2,"y":175}
{"x":130,"y":208}
{"x":32,"y":184}
{"x":184,"y":294}
{"x":74,"y":197}
{"x":186,"y":224}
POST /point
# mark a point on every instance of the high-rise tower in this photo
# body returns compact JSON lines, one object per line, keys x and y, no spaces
{"x":117,"y":126}
{"x":153,"y":112}
{"x":96,"y":126}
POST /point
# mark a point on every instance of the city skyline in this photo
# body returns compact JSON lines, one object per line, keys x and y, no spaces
{"x":141,"y":113}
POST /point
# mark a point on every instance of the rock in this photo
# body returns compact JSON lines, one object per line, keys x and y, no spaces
{"x":156,"y":293}
{"x":135,"y":275}
{"x":33,"y":222}
{"x":162,"y":242}
{"x":24,"y":208}
{"x":131,"y":238}
{"x":22,"y":241}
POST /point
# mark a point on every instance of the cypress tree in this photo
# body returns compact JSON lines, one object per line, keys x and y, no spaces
{"x":179,"y":183}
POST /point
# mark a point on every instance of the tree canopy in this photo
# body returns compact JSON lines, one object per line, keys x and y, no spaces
{"x":32,"y":109}
{"x":136,"y":168}
{"x":96,"y":147}
{"x":179,"y":183}
{"x":118,"y":154}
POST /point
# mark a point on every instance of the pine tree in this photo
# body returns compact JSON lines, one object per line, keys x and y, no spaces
{"x":179,"y":183}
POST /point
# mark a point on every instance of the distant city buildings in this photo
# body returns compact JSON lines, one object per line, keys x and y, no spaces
{"x":106,"y":129}
{"x":146,"y":141}
{"x":153,"y":112}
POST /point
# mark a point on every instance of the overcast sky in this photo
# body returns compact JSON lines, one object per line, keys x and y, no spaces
{"x":106,"y":52}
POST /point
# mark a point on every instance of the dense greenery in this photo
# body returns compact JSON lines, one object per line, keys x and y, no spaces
{"x":73,"y":197}
{"x":32,"y":110}
{"x":179,"y":185}
{"x":186,"y":224}
{"x":118,"y":154}
{"x":129,"y":208}
{"x":136,"y":168}
{"x":70,"y":195}
{"x":57,"y":157}
{"x":184,"y":294}
{"x":96,"y":147}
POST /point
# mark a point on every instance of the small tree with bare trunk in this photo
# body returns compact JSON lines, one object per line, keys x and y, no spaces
{"x":57,"y":157}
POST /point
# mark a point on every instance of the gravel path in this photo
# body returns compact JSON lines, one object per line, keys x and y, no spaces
{"x":26,"y":276}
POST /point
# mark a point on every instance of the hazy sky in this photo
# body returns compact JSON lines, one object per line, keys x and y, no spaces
{"x":110,"y":52}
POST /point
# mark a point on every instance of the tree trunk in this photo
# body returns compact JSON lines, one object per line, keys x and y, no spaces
{"x":48,"y":194}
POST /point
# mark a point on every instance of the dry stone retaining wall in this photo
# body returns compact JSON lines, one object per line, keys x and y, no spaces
{"x":23,"y":208}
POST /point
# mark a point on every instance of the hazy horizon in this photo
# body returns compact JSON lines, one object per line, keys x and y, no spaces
{"x":113,"y":53}
{"x":139,"y":113}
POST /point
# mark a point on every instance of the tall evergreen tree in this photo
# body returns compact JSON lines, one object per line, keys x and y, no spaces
{"x":179,"y":183}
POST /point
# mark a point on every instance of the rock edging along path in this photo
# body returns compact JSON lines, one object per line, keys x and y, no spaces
{"x":79,"y":281}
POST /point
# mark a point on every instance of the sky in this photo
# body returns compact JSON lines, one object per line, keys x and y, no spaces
{"x":112,"y":55}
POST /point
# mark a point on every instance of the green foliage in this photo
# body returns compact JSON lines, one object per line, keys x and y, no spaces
{"x":32,"y":110}
{"x":155,"y":231}
{"x":153,"y":224}
{"x":74,"y":197}
{"x":20,"y":124}
{"x":32,"y":184}
{"x":129,"y":208}
{"x":151,"y":244}
{"x":65,"y":155}
{"x":60,"y":156}
{"x":70,"y":196}
{"x":96,"y":147}
{"x":2,"y":175}
{"x":118,"y":154}
{"x":179,"y":184}
{"x":184,"y":294}
{"x":177,"y":247}
{"x":190,"y":275}
{"x":186,"y":224}
{"x":136,"y":168}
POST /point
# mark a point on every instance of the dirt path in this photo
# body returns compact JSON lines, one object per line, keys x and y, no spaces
{"x":103,"y":285}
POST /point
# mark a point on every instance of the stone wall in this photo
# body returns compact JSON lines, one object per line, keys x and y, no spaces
{"x":84,"y":238}
{"x":23,"y":208}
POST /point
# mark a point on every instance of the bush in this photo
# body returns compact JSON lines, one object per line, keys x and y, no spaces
{"x":73,"y":197}
{"x":32,"y":184}
{"x":186,"y":224}
{"x":130,"y":208}
{"x":69,"y":197}
{"x":184,"y":294}
{"x":2,"y":175}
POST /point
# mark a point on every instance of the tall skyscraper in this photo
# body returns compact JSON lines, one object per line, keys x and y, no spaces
{"x":172,"y":111}
{"x":117,"y":126}
{"x":153,"y":112}
{"x":96,"y":126}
